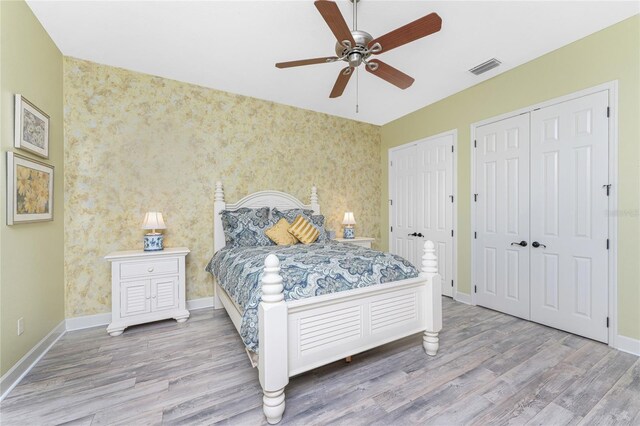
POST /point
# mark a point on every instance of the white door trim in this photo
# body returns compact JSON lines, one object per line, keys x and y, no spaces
{"x":612,"y":87}
{"x":454,"y":133}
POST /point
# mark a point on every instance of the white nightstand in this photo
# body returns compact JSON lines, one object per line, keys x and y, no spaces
{"x":147,"y":286}
{"x":359,"y":241}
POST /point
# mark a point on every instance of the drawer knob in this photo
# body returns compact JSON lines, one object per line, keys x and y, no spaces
{"x":150,"y":269}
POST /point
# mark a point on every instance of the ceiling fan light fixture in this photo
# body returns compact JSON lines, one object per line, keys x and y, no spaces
{"x":354,"y":59}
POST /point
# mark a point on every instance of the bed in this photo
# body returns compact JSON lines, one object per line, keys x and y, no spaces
{"x":298,"y":335}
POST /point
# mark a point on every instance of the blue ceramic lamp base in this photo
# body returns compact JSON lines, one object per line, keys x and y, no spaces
{"x":349,"y":233}
{"x":153,"y":242}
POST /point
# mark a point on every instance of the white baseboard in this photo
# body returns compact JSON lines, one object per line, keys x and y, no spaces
{"x":628,"y":344}
{"x":88,"y":321}
{"x":202,"y":303}
{"x":463,"y":298}
{"x":12,"y":377}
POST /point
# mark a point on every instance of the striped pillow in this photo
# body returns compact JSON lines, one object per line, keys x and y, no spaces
{"x":303,"y":230}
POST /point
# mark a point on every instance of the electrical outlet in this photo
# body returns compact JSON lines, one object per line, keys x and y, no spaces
{"x":20,"y":326}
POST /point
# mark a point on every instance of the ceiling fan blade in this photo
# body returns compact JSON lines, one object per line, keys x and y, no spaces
{"x":331,"y":14}
{"x":306,"y":62}
{"x":390,"y":74}
{"x":406,"y":34}
{"x":341,"y":82}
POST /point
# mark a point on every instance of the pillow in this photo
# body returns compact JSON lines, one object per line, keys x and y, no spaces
{"x":245,"y":227}
{"x":303,"y":230}
{"x":292,"y":214}
{"x":279,"y":234}
{"x":318,"y":222}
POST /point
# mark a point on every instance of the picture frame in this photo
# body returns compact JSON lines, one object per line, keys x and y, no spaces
{"x":31,"y":130}
{"x":29,"y":190}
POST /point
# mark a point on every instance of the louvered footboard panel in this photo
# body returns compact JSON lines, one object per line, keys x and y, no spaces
{"x":336,"y":329}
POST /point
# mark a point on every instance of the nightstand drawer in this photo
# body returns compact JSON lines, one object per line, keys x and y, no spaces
{"x":149,"y":267}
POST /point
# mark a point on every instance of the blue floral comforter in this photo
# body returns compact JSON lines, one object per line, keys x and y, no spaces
{"x":306,"y":270}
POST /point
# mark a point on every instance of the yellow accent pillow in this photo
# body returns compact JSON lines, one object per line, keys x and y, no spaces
{"x":279,"y":235}
{"x":303,"y":230}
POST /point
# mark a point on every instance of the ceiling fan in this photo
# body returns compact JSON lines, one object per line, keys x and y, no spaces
{"x":355,"y":47}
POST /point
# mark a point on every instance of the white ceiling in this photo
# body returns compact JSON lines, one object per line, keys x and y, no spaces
{"x":233,"y":45}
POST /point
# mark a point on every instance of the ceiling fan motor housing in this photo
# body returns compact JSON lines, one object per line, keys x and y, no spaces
{"x":356,"y":54}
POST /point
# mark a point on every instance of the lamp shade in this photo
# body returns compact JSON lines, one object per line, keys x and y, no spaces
{"x":348,"y":219}
{"x":153,"y":220}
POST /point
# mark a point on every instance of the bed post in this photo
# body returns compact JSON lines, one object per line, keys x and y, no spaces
{"x":218,"y":232}
{"x":315,"y":206}
{"x":429,"y":270}
{"x":272,"y":323}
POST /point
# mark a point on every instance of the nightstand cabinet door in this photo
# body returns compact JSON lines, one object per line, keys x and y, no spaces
{"x":135,"y":298}
{"x":164,"y":293}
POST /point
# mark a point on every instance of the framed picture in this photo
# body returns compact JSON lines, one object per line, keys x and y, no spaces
{"x":31,"y":128}
{"x":29,"y":190}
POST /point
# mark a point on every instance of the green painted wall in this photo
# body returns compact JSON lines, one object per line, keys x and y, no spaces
{"x":31,"y":265}
{"x":611,"y":54}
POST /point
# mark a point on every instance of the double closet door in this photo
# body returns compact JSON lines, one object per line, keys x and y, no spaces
{"x":541,"y":237}
{"x":421,"y":204}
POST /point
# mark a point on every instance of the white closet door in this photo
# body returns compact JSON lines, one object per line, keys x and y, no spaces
{"x":435,"y":207}
{"x":569,"y":158}
{"x":502,"y":216}
{"x":403,"y":183}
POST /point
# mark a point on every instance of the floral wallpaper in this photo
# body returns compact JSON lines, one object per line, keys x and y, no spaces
{"x":136,"y":143}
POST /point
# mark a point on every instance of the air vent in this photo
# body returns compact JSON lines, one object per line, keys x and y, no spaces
{"x":485,"y":66}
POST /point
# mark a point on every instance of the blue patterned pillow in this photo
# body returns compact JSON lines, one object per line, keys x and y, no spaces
{"x":245,"y":227}
{"x":290,"y":215}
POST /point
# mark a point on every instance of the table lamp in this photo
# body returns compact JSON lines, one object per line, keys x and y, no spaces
{"x":348,"y":223}
{"x":153,"y":239}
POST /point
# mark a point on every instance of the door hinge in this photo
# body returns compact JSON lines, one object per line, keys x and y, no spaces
{"x":390,"y":202}
{"x":607,"y":244}
{"x":475,"y":235}
{"x":475,"y":288}
{"x":475,"y":197}
{"x":475,"y":143}
{"x":452,"y":232}
{"x":608,"y":186}
{"x":391,"y":163}
{"x":608,"y":111}
{"x":451,"y":283}
{"x":451,"y":148}
{"x":607,"y":322}
{"x":451,"y":196}
{"x":392,"y":229}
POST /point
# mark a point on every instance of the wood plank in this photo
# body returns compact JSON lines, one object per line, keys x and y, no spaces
{"x":587,"y":391}
{"x":621,"y":405}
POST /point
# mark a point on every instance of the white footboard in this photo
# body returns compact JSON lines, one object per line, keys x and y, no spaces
{"x":300,"y":335}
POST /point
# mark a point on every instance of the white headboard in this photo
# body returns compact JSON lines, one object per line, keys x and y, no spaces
{"x":281,"y":200}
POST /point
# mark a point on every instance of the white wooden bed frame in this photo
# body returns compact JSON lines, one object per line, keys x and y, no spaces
{"x":299,"y":335}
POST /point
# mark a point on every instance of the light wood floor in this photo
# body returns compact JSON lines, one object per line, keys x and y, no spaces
{"x":491,"y":369}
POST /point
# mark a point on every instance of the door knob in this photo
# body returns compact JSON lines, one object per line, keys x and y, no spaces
{"x":521,"y":243}
{"x":419,"y":234}
{"x":415,"y":234}
{"x":537,"y":244}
